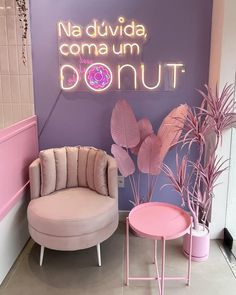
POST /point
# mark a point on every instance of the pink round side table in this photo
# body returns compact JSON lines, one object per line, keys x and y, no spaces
{"x":159,"y":221}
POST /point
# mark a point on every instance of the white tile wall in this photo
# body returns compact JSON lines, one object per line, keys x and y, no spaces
{"x":16,"y":83}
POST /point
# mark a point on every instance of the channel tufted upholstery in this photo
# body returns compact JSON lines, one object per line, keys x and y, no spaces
{"x":74,"y":198}
{"x":72,"y":167}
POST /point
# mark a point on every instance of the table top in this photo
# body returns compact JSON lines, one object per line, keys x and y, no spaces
{"x":157,"y":220}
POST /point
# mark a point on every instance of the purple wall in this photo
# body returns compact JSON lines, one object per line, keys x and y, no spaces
{"x":178,"y":30}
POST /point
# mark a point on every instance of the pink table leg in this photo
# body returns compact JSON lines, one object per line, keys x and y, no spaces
{"x":163,"y":265}
{"x":190,"y":256}
{"x":155,"y":252}
{"x":156,"y":265}
{"x":145,"y":212}
{"x":127,"y":251}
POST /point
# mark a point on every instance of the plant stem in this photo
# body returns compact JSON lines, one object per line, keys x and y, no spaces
{"x":195,"y":217}
{"x":154,"y":186}
{"x":135,"y":189}
{"x":138,"y":185}
{"x":132,"y":187}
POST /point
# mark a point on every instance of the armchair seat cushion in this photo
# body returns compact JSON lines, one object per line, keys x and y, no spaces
{"x":72,"y":212}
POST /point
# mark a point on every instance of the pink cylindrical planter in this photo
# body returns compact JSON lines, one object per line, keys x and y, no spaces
{"x":200,"y":245}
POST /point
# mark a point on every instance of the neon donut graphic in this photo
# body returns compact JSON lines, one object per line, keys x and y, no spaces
{"x":98,"y":77}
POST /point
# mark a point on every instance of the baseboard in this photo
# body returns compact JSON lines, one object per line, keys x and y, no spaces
{"x":234,"y":249}
{"x":228,"y":239}
{"x":123,"y":214}
{"x":14,"y":235}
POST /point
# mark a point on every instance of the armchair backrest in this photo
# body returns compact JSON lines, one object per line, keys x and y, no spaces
{"x":68,"y":167}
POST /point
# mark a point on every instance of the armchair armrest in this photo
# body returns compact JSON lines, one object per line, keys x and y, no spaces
{"x":112,"y":178}
{"x":35,"y":181}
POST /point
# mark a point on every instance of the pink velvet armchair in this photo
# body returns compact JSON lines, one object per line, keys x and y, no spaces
{"x":74,"y":199}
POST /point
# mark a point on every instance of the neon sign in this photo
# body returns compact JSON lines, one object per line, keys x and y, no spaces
{"x":102,"y":56}
{"x":98,"y":77}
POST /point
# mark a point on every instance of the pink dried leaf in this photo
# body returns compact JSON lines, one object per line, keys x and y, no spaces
{"x":171,"y":128}
{"x":149,"y":155}
{"x":124,"y":126}
{"x":145,"y":129}
{"x":123,"y":159}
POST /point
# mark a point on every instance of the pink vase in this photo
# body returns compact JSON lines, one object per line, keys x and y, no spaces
{"x":200,"y":245}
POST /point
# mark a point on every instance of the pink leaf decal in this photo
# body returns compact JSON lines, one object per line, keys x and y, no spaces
{"x":145,"y":129}
{"x":171,"y":128}
{"x":149,"y":155}
{"x":124,"y":161}
{"x":124,"y":126}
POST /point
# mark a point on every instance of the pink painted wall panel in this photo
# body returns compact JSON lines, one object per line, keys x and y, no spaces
{"x":18,"y":148}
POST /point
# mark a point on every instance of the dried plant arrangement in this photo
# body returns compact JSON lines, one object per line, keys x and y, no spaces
{"x":22,"y":17}
{"x":138,"y":149}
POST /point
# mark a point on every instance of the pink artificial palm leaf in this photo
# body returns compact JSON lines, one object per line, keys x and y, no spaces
{"x":210,"y":172}
{"x":207,"y":176}
{"x":171,"y":128}
{"x":124,"y":161}
{"x":219,"y":108}
{"x":179,"y":180}
{"x":195,"y":129}
{"x":124,"y":126}
{"x":145,"y":129}
{"x":149,"y":155}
